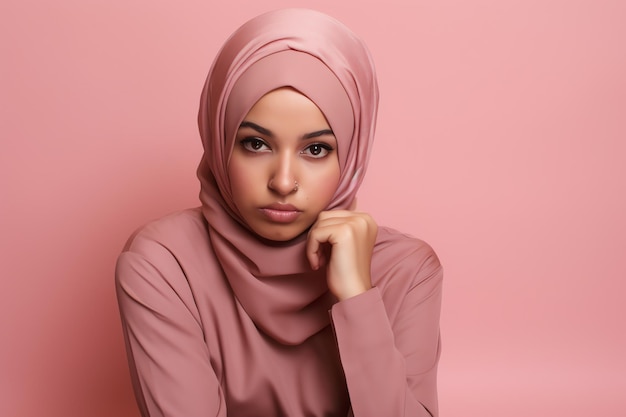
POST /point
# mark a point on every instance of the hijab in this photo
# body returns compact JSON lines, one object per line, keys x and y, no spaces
{"x":322,"y":59}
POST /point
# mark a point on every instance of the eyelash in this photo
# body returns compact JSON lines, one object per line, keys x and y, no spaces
{"x":249,"y":143}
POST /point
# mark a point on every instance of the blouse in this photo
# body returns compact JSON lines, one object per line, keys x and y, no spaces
{"x":193,"y":351}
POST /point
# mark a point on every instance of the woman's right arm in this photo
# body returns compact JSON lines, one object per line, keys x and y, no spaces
{"x":168,"y":358}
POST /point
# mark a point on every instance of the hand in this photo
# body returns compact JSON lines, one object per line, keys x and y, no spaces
{"x":343,"y":240}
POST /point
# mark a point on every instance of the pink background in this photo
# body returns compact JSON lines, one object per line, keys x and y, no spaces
{"x":501,"y":141}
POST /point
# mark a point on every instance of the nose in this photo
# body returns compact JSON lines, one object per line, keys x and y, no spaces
{"x":283,"y":179}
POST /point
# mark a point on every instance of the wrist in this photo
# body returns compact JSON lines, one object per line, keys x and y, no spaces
{"x":352,"y":291}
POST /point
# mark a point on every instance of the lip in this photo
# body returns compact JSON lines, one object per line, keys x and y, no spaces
{"x":280,"y":213}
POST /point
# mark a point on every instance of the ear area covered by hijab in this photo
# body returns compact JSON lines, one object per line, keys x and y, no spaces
{"x":322,"y":59}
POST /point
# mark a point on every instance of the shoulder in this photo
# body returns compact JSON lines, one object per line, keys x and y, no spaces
{"x":176,"y":228}
{"x":406,"y":271}
{"x":168,"y":247}
{"x":399,"y":256}
{"x":392,"y":245}
{"x":157,"y":262}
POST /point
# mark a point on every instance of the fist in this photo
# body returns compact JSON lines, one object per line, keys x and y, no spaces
{"x":343,"y":241}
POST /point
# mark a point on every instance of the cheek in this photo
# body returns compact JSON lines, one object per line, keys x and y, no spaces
{"x":241,"y":181}
{"x":328,"y":184}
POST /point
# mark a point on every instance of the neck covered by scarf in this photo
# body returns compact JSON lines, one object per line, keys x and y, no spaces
{"x":322,"y":59}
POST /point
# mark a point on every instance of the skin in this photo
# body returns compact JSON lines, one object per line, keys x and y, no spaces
{"x":283,"y":140}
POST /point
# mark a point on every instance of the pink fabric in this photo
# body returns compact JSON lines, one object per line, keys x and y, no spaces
{"x":194,"y":350}
{"x":218,"y":322}
{"x":321,"y":58}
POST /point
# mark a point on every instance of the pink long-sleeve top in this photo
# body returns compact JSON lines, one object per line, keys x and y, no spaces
{"x":195,"y":352}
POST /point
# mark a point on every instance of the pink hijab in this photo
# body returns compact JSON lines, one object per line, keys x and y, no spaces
{"x":324,"y":60}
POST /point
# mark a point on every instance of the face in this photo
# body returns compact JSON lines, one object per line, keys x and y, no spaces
{"x":284,"y":168}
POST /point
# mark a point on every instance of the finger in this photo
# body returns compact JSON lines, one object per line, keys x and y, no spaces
{"x":336,"y":217}
{"x":318,"y":245}
{"x":355,"y":224}
{"x":332,"y":222}
{"x":346,"y":215}
{"x":312,"y":251}
{"x":335,"y":213}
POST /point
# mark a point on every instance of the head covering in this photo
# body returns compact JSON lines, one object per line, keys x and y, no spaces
{"x":322,"y":59}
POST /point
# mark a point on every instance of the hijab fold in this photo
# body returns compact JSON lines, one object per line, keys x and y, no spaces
{"x":322,"y":59}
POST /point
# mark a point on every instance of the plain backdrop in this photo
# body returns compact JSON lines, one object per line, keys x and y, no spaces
{"x":501,"y":141}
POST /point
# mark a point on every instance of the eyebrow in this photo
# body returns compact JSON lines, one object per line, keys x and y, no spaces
{"x":268,"y":132}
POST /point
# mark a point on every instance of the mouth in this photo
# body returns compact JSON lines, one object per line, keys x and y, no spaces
{"x":280,"y":213}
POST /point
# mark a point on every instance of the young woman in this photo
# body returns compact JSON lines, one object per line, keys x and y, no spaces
{"x":275,"y":297}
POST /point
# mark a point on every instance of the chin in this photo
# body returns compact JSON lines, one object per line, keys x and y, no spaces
{"x":275,"y":234}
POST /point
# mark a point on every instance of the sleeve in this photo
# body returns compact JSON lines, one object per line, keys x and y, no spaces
{"x":391,"y":368}
{"x":168,"y":358}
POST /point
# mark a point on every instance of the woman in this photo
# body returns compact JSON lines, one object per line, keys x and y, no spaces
{"x":275,"y":298}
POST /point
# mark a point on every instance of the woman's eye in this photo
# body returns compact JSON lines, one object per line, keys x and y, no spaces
{"x":254,"y":145}
{"x":317,"y":150}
